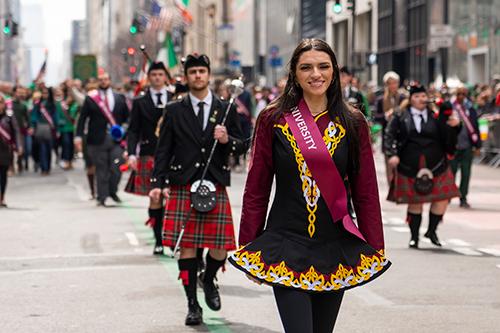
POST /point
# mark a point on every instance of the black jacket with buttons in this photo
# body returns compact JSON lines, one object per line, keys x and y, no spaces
{"x":143,"y":122}
{"x":97,"y":122}
{"x":183,"y":147}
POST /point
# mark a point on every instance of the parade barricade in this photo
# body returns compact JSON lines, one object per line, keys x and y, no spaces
{"x":490,"y":134}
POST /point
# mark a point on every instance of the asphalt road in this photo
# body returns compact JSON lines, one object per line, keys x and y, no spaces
{"x":69,"y":266}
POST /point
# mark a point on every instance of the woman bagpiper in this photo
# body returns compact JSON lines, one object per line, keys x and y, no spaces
{"x":10,"y":141}
{"x":417,"y":144}
{"x":318,"y":148}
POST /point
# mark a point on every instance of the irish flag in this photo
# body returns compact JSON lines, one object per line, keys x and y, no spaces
{"x":167,"y":52}
{"x":182,"y":6}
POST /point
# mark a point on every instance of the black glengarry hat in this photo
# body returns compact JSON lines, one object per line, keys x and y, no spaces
{"x":196,"y":60}
{"x":416,"y":89}
{"x":157,"y":65}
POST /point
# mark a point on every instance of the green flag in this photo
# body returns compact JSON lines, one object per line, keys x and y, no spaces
{"x":168,"y":44}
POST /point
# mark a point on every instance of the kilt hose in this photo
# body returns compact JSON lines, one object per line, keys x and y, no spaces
{"x":139,"y":181}
{"x":402,"y":189}
{"x":213,"y":230}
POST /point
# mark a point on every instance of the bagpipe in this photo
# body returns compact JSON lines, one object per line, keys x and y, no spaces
{"x":203,"y":191}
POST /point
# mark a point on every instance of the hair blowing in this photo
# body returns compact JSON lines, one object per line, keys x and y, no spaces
{"x":349,"y":118}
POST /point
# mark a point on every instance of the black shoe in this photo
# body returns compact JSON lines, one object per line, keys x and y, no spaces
{"x":195,"y":314}
{"x":433,"y":237}
{"x":212,"y":297}
{"x":158,"y":250}
{"x":116,"y":198}
{"x":413,"y":244}
{"x":464,"y":204}
{"x":101,"y":203}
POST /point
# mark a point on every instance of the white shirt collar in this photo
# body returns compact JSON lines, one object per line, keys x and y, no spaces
{"x":417,"y":112}
{"x":163,"y":90}
{"x":207,"y":100}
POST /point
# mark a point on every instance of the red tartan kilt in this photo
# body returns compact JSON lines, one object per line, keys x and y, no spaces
{"x":402,"y":189}
{"x":213,"y":230}
{"x":140,"y":180}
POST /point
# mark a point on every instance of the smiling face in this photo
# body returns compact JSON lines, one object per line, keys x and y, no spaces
{"x":314,"y":72}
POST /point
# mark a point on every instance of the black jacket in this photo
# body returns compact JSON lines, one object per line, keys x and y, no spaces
{"x":183,"y":147}
{"x":9,"y":124}
{"x":435,"y":141}
{"x":142,"y":127}
{"x":97,"y":128}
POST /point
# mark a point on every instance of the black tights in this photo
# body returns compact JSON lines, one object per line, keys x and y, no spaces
{"x":302,"y":312}
{"x":3,"y":179}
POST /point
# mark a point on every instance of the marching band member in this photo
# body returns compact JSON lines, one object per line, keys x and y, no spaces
{"x":142,"y":140}
{"x":417,"y":145}
{"x":187,"y":134}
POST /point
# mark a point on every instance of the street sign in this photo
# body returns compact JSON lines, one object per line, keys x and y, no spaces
{"x":436,"y":43}
{"x":276,"y":62}
{"x":441,"y":30}
{"x":84,"y":67}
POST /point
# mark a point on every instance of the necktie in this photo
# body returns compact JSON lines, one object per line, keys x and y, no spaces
{"x":422,"y":122}
{"x":201,"y":114}
{"x":106,"y":102}
{"x":158,"y":99}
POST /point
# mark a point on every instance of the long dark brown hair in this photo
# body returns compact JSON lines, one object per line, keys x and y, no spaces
{"x":292,"y":94}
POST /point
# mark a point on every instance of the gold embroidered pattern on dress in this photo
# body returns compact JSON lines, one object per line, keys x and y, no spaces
{"x":333,"y":134}
{"x":312,"y":279}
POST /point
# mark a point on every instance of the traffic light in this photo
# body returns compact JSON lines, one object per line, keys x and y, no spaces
{"x":337,"y":7}
{"x":131,"y":51}
{"x":351,"y":5}
{"x":6,"y":28}
{"x":138,"y":24}
{"x":132,"y":69}
{"x":133,"y":28}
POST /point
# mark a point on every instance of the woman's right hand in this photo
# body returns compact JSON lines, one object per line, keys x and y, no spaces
{"x":393,"y":162}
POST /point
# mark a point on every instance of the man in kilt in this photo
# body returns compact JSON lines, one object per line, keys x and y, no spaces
{"x":187,"y":134}
{"x":417,"y":144}
{"x":146,"y":112}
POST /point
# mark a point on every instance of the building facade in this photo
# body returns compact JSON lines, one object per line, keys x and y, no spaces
{"x":353,"y":36}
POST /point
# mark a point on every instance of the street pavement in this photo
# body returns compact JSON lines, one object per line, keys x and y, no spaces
{"x":69,"y":266}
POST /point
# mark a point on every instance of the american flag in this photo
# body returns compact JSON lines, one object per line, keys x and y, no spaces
{"x":43,"y":69}
{"x":161,"y":16}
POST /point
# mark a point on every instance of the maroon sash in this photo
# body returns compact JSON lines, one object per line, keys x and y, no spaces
{"x":47,"y":116}
{"x":5,"y":135}
{"x":321,"y":165}
{"x":94,"y":95}
{"x":65,"y":111}
{"x":472,"y":132}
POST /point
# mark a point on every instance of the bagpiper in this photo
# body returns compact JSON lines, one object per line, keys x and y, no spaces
{"x":147,"y":110}
{"x":187,"y":134}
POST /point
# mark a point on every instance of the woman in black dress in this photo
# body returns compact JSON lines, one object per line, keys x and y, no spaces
{"x":309,"y":252}
{"x":10,"y":140}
